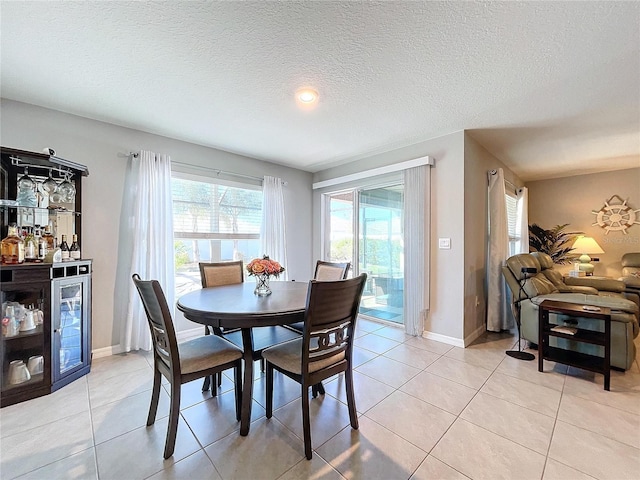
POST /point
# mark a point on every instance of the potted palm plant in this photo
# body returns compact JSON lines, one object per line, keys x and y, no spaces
{"x":554,"y":242}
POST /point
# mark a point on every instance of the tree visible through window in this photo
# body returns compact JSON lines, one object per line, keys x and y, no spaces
{"x":212,"y":222}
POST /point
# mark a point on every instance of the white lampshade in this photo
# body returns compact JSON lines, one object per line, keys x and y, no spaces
{"x":587,"y":245}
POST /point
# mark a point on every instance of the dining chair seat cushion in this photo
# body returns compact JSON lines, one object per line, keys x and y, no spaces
{"x":288,"y":356}
{"x":206,"y":352}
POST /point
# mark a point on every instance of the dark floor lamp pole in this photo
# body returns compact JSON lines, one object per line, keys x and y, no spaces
{"x":519,"y":354}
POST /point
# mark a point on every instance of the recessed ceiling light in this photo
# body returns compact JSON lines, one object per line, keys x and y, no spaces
{"x":307,"y":96}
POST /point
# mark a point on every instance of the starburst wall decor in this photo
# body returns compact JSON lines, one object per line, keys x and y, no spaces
{"x":616,"y":216}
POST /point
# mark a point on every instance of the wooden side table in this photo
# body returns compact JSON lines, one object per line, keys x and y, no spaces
{"x":568,"y":357}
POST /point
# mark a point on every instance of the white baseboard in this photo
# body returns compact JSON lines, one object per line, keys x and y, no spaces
{"x":116,"y":349}
{"x":106,"y":351}
{"x":457,"y":342}
{"x":477,"y":333}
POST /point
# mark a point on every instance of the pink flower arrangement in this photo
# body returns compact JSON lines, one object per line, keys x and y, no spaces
{"x":264,"y":266}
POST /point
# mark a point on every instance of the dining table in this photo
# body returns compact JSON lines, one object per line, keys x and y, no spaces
{"x":237,"y":306}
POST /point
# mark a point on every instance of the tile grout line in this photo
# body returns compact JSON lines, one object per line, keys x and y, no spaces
{"x":93,"y":435}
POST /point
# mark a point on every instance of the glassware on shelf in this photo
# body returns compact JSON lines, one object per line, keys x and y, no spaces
{"x":35,"y":364}
{"x":66,"y":189}
{"x":18,"y":372}
{"x":55,"y":197}
{"x":28,"y":322}
{"x":25,"y":181}
{"x":9,"y":322}
{"x":49,"y":185}
{"x":26,"y":191}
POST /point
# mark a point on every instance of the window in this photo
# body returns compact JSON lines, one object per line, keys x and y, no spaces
{"x":213,"y":221}
{"x":512,"y":216}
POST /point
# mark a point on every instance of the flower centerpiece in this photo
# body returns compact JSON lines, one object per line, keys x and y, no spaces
{"x":263,"y":269}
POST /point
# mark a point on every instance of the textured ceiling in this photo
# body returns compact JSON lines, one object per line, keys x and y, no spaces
{"x":550,"y":88}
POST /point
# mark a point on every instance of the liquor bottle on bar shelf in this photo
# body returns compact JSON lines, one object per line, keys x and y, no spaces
{"x":12,"y":247}
{"x":48,"y":236}
{"x":30,"y":247}
{"x":74,"y":251}
{"x":64,"y":249}
{"x":42,"y":245}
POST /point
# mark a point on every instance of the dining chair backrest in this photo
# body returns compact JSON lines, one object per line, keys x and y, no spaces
{"x":221,"y":273}
{"x":163,"y":334}
{"x":330,"y":318}
{"x":204,"y":356}
{"x":331,"y":271}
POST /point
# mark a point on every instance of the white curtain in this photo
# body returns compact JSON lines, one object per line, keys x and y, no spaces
{"x":522,"y":220}
{"x":272,"y":229}
{"x":498,"y":317}
{"x":145,"y":244}
{"x":416,"y":248}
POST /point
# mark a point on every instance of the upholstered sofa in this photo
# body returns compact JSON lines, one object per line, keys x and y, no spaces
{"x":631,"y":273}
{"x":547,"y":283}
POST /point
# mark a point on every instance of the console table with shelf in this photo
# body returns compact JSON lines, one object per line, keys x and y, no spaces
{"x":592,"y":363}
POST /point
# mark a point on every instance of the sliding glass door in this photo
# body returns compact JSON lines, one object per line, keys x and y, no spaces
{"x":340,"y":228}
{"x":374,"y":217}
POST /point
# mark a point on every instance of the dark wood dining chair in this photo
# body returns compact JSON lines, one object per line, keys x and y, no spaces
{"x":216,"y":274}
{"x":221,"y":273}
{"x":182,"y":362}
{"x":228,"y":273}
{"x":325,"y":348}
{"x":331,"y":271}
{"x":325,"y":272}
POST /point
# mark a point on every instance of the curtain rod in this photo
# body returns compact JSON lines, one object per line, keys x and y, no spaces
{"x":217,"y":171}
{"x":506,"y":182}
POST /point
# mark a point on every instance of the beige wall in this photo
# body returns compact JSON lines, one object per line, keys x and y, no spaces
{"x":572,"y":199}
{"x":477,"y":162}
{"x":98,"y":145}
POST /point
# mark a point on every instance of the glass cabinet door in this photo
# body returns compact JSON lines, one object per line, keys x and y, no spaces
{"x":22,"y":342}
{"x":69,"y":322}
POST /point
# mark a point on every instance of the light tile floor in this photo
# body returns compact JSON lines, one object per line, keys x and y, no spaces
{"x":427,"y":410}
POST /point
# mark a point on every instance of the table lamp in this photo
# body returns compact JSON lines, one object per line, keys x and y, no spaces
{"x":585,"y":246}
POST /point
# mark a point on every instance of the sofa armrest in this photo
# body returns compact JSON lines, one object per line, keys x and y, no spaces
{"x":578,"y":289}
{"x":616,"y":304}
{"x":631,"y":281}
{"x":634,"y":296}
{"x":602,"y":284}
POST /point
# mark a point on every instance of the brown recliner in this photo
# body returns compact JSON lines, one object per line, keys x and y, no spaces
{"x":537,"y":288}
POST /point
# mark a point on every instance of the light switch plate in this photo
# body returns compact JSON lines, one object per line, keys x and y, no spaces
{"x":444,"y":243}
